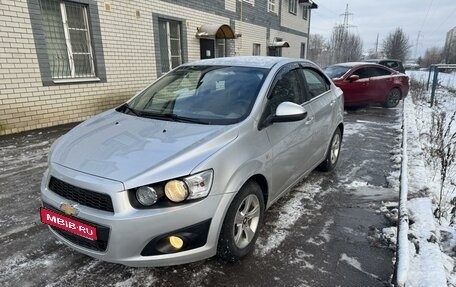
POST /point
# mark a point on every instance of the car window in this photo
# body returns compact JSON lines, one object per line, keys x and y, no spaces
{"x":363,"y":73}
{"x":381,"y":72}
{"x":286,"y":89}
{"x":316,"y":83}
{"x":336,"y":71}
{"x":206,"y":94}
{"x":391,"y":64}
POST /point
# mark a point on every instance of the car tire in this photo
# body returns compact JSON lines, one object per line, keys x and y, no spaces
{"x":393,"y":98}
{"x":333,"y":152}
{"x":242,"y":223}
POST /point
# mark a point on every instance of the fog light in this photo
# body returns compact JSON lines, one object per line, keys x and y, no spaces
{"x":146,"y":195}
{"x":176,"y":190}
{"x":176,"y":242}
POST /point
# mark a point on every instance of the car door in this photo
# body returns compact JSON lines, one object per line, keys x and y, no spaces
{"x":359,"y":91}
{"x":381,"y":83}
{"x":291,"y":142}
{"x":321,"y":100}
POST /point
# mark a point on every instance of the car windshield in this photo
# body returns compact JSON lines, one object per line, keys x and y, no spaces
{"x":217,"y":95}
{"x":336,"y":71}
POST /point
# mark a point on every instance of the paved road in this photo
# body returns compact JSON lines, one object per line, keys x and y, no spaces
{"x":320,"y":234}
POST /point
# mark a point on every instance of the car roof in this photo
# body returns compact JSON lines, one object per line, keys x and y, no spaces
{"x":355,"y":64}
{"x":382,"y":60}
{"x":246,"y":61}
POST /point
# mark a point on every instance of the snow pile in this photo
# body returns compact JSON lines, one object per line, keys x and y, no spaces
{"x":426,"y":267}
{"x":432,"y":242}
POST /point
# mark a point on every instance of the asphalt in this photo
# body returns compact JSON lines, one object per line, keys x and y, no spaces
{"x":322,"y":233}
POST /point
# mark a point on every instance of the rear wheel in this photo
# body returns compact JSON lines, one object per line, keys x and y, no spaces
{"x":332,"y":155}
{"x":242,"y":223}
{"x":393,"y":98}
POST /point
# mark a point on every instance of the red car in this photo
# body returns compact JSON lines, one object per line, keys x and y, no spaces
{"x":366,"y":83}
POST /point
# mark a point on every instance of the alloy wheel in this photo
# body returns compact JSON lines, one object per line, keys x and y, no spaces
{"x":335,"y":148}
{"x":246,"y":221}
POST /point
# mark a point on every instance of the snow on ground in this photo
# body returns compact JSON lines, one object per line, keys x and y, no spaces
{"x":355,"y":264}
{"x":445,"y":79}
{"x":426,"y":268}
{"x":432,"y":241}
{"x":292,"y":211}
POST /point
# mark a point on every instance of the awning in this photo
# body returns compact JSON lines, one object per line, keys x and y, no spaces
{"x":309,"y":3}
{"x":218,"y":31}
{"x":279,"y":44}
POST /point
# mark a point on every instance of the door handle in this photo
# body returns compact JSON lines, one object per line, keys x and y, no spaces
{"x":332,"y":103}
{"x":309,"y":120}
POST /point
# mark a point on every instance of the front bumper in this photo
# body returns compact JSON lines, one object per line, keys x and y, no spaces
{"x":130,"y":230}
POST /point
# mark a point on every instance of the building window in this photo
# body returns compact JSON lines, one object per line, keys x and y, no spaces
{"x":256,"y":49}
{"x":292,"y":6}
{"x":220,"y":48}
{"x":170,"y":44}
{"x":250,"y":1}
{"x":305,"y":12}
{"x":67,"y":35}
{"x":303,"y":50}
{"x":272,"y":6}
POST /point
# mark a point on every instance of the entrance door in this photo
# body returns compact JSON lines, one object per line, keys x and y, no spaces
{"x":207,"y":48}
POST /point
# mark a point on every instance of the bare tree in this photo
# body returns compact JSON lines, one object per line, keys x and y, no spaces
{"x":316,"y":47}
{"x":345,"y":46}
{"x":396,"y":45}
{"x":443,"y":150}
{"x":432,"y":55}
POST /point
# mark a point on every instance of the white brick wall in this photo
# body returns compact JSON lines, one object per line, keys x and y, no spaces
{"x":250,"y":34}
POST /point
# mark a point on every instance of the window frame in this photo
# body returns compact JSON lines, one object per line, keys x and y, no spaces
{"x":256,"y":47}
{"x":326,"y":82}
{"x":272,"y":6}
{"x":66,"y":28}
{"x":37,"y":23}
{"x":91,"y":75}
{"x":169,"y":38}
{"x":305,"y":13}
{"x":293,"y":7}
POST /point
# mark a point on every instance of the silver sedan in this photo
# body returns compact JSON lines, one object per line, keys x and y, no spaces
{"x":186,"y":169}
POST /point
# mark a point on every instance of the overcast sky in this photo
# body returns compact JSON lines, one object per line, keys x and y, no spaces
{"x":432,"y":17}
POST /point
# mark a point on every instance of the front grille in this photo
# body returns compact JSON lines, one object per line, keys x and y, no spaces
{"x":98,"y":245}
{"x":83,"y":196}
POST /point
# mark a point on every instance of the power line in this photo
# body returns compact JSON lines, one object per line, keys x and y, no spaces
{"x":427,"y":14}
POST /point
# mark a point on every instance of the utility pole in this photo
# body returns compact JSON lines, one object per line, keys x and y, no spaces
{"x":416,"y":45}
{"x":376,"y":46}
{"x":346,"y":15}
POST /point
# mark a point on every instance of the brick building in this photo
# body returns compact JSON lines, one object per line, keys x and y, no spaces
{"x":64,"y":61}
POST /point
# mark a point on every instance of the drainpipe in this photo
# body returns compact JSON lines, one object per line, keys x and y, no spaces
{"x":241,"y":28}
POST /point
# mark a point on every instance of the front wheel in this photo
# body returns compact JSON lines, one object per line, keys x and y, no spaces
{"x":393,"y":98}
{"x":242,"y":223}
{"x":333,"y":152}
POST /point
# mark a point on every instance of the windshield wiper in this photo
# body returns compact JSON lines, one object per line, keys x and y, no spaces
{"x":127,"y":107}
{"x":173,"y":117}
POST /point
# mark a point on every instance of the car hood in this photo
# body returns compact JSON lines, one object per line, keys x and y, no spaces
{"x":138,"y":151}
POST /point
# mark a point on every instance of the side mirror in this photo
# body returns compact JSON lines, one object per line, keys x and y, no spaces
{"x":289,"y":112}
{"x":285,"y":112}
{"x":353,"y":78}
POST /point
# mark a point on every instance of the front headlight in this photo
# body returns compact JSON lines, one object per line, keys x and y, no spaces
{"x":146,"y":195}
{"x":199,"y":184}
{"x":176,"y":190}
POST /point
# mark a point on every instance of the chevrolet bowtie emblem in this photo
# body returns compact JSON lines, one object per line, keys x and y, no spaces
{"x":69,"y":209}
